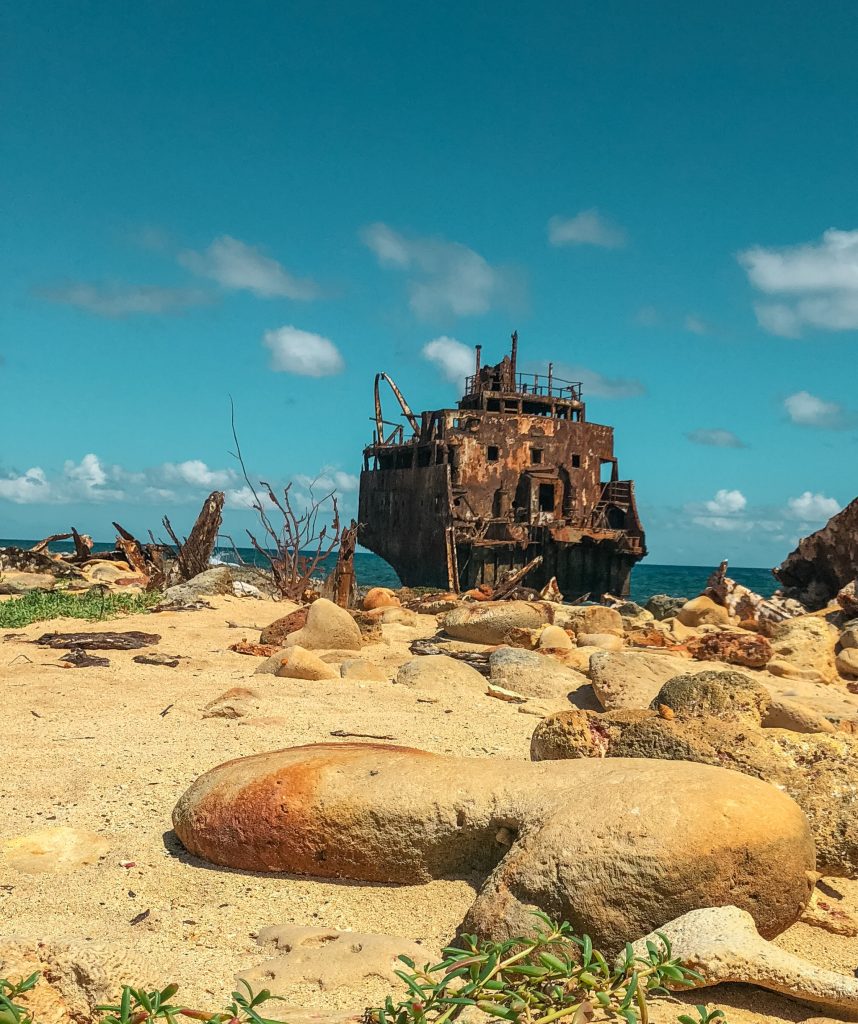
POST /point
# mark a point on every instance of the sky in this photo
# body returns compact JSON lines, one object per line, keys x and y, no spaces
{"x":270,"y":202}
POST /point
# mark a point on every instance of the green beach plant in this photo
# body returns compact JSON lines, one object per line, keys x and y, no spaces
{"x":93,"y":605}
{"x":553,"y":975}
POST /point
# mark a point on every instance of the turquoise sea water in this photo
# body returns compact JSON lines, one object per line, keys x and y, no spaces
{"x":647,"y":579}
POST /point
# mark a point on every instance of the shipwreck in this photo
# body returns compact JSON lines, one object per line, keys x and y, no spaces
{"x":514,"y":477}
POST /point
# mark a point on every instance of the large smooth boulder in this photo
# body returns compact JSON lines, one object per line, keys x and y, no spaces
{"x":533,"y":675}
{"x":819,"y":771}
{"x":439,"y":673}
{"x":703,"y":611}
{"x":730,"y":696}
{"x":847,"y":662}
{"x":328,"y":626}
{"x":616,"y":847}
{"x":379,"y":597}
{"x":192,"y":593}
{"x":803,"y":648}
{"x":632,"y":678}
{"x":488,"y":622}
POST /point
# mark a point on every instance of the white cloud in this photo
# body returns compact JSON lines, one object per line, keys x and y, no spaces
{"x":196,"y":473}
{"x":715,"y":438}
{"x":724,"y":524}
{"x":454,"y":358}
{"x":445,"y":277}
{"x":809,"y":410}
{"x":86,"y":481}
{"x":28,"y":488}
{"x":329,"y":479}
{"x":726,"y":502}
{"x":586,"y":228}
{"x":812,"y":508}
{"x":118,"y":300}
{"x":818,"y":282}
{"x":302,"y":352}
{"x":237,"y":266}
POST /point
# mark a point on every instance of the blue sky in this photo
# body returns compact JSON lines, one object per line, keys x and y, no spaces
{"x":275,"y":200}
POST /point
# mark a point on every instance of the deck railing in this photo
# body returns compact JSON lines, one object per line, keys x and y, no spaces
{"x":539,"y":384}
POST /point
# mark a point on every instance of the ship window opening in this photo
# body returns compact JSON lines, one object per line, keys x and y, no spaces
{"x":423,"y":457}
{"x":493,"y":405}
{"x":492,"y":453}
{"x":546,"y":497}
{"x":536,"y":456}
{"x":510,"y":406}
{"x":404,"y":460}
{"x":605,"y":472}
{"x":576,"y":461}
{"x":439,"y":456}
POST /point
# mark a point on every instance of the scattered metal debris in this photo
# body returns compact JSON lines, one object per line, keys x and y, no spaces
{"x":154,"y":658}
{"x":341,"y":733}
{"x":130,"y":640}
{"x":77,"y":657}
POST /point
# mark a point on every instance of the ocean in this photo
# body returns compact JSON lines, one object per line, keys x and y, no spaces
{"x":647,"y":579}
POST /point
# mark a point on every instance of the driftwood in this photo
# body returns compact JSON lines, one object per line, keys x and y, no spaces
{"x":144,"y":559}
{"x":83,"y":545}
{"x":476,"y":659}
{"x":131,"y":640}
{"x":42,"y":546}
{"x":193,"y":555}
{"x":341,"y":586}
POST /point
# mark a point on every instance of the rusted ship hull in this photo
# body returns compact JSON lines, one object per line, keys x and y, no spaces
{"x":514,"y":472}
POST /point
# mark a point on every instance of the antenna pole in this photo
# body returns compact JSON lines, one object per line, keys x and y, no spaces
{"x":513,"y":357}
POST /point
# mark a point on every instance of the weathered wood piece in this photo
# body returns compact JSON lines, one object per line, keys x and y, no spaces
{"x":193,"y":555}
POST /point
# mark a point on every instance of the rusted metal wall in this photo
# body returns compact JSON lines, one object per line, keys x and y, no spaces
{"x":403,"y":514}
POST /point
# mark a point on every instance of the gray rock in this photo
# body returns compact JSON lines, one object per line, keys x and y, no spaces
{"x":488,"y":622}
{"x":439,"y":673}
{"x":663,"y":606}
{"x":217,"y":580}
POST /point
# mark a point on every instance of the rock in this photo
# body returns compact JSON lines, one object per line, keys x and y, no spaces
{"x":58,"y":848}
{"x":387,"y":615}
{"x":803,"y":648}
{"x":847,"y":598}
{"x":439,"y":673}
{"x":217,"y":580}
{"x":532,"y":674}
{"x":325,"y":960}
{"x":631,"y":679}
{"x":654,"y":635}
{"x":820,"y":772}
{"x":154,"y":658}
{"x":847,"y":662}
{"x":794,"y":716}
{"x":601,"y":641}
{"x":75,"y":977}
{"x":849,"y":636}
{"x":510,"y":696}
{"x":703,"y":611}
{"x":596,"y":618}
{"x":270,"y":666}
{"x":749,"y":649}
{"x":236,"y":702}
{"x":729,"y":696}
{"x":379,"y":597}
{"x":617,"y":847}
{"x":17,"y":583}
{"x":302,"y":664}
{"x":242,"y":589}
{"x":277,"y":631}
{"x":824,"y":562}
{"x":252,"y":649}
{"x":488,"y":622}
{"x":722,"y":944}
{"x":554,"y":638}
{"x":357,"y":668}
{"x":663,"y":606}
{"x":633,"y":614}
{"x":327,"y":626}
{"x":433,"y":604}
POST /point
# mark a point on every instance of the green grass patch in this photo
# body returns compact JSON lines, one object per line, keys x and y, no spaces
{"x":55,"y":604}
